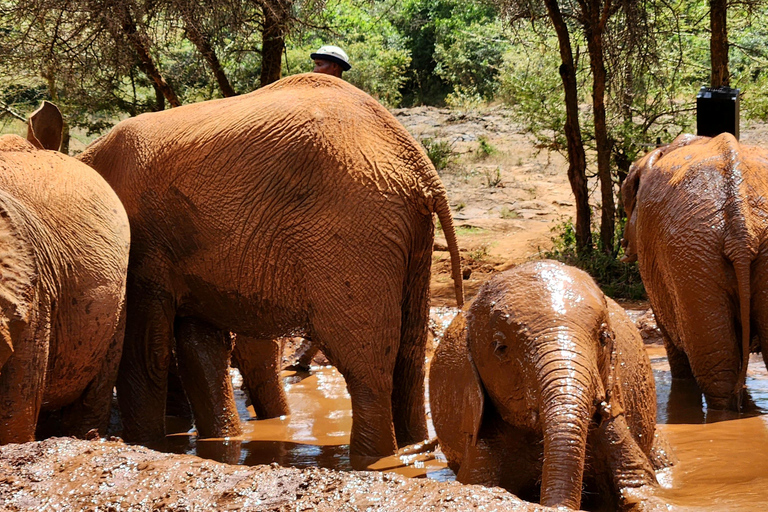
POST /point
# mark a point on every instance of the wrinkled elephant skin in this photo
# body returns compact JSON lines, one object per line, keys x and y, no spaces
{"x":541,"y":377}
{"x":64,"y":242}
{"x":303,"y":207}
{"x":697,"y":220}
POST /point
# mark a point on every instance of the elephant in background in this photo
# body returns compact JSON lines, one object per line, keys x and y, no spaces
{"x":541,"y":378}
{"x":64,"y":258}
{"x":697,"y":218}
{"x":301,"y":208}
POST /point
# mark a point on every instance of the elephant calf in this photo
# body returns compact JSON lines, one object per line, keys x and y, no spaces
{"x":64,"y":241}
{"x":550,"y":377}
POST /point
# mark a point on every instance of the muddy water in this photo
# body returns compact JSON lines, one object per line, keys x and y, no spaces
{"x":723,"y":457}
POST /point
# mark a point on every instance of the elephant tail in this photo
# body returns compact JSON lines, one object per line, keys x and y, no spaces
{"x":742,"y":268}
{"x":443,"y":211}
{"x":740,"y":248}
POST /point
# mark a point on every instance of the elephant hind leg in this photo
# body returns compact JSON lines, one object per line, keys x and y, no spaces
{"x":22,"y":384}
{"x":203,"y":353}
{"x":92,"y":409}
{"x":363,"y":345}
{"x":142,"y":380}
{"x":679,"y":366}
{"x":408,"y":406}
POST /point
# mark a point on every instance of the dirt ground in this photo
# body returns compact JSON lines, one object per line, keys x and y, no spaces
{"x":70,"y":474}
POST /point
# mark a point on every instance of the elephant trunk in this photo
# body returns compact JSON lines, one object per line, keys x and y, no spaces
{"x":567,"y":399}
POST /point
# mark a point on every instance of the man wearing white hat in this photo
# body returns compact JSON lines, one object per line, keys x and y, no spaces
{"x":330,"y":60}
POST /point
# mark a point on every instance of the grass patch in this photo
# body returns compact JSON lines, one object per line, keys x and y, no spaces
{"x":506,"y":213}
{"x":468,"y":230}
{"x":441,"y":153}
{"x":479,"y":253}
{"x":485,"y":148}
{"x":615,"y":278}
{"x":492,"y":177}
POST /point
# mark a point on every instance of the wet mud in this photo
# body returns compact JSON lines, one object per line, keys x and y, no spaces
{"x":723,"y":459}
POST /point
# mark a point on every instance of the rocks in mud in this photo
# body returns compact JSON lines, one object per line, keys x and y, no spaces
{"x":71,"y":474}
{"x":649,"y":331}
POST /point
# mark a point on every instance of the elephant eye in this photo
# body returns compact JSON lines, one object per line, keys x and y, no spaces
{"x":500,"y":350}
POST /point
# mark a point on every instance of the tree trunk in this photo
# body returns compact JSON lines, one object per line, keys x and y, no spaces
{"x":206,"y":50}
{"x":718,"y":43}
{"x":272,"y":43}
{"x":130,"y":31}
{"x":577,"y":160}
{"x":595,"y":19}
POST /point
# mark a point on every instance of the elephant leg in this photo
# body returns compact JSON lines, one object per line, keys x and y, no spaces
{"x":22,"y":383}
{"x":142,"y":380}
{"x":310,"y":350}
{"x":363,"y":347}
{"x":203,"y":353}
{"x":92,"y":409}
{"x":408,"y":407}
{"x":679,"y":366}
{"x":259,"y":362}
{"x":629,"y":466}
{"x":481,"y":465}
{"x":712,"y":344}
{"x":759,"y":306}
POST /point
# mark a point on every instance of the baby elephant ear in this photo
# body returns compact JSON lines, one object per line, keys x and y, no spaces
{"x":45,"y":126}
{"x":474,"y":400}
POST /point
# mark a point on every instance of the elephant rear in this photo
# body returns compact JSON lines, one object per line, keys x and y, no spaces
{"x":65,"y":314}
{"x":696,"y":223}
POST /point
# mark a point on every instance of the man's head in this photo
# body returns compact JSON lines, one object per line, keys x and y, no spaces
{"x":330,"y":60}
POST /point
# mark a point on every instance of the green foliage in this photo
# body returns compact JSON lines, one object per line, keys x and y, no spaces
{"x":440,"y":152}
{"x":485,"y":148}
{"x":454,"y":46}
{"x":615,"y":278}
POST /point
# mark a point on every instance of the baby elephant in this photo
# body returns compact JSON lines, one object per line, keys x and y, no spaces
{"x":543,"y":377}
{"x":64,"y":241}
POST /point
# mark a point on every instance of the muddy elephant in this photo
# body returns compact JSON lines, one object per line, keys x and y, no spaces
{"x":541,"y":378}
{"x":697,"y":220}
{"x":303,"y":207}
{"x":64,"y":258}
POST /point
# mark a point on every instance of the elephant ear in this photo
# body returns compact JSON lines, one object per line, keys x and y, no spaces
{"x":45,"y":126}
{"x":473,"y":399}
{"x":18,"y":278}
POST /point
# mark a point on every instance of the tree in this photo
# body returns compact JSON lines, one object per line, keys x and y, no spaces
{"x":718,"y":44}
{"x":276,"y":21}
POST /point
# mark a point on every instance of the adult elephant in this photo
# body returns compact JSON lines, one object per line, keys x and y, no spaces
{"x":301,"y":207}
{"x":63,"y":260}
{"x":697,"y":220}
{"x":543,"y":377}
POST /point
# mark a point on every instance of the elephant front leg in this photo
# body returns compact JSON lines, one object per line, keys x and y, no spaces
{"x":259,"y":363}
{"x":203,"y":353}
{"x":629,"y":465}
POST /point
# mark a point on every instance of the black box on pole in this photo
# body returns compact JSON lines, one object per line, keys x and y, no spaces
{"x":717,"y":111}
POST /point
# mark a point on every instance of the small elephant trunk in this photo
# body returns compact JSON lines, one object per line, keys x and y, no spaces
{"x":566,"y":404}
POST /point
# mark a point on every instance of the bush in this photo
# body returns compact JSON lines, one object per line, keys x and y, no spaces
{"x":615,"y":278}
{"x":440,"y":152}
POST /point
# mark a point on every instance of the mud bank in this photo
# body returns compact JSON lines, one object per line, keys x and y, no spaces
{"x":70,"y":474}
